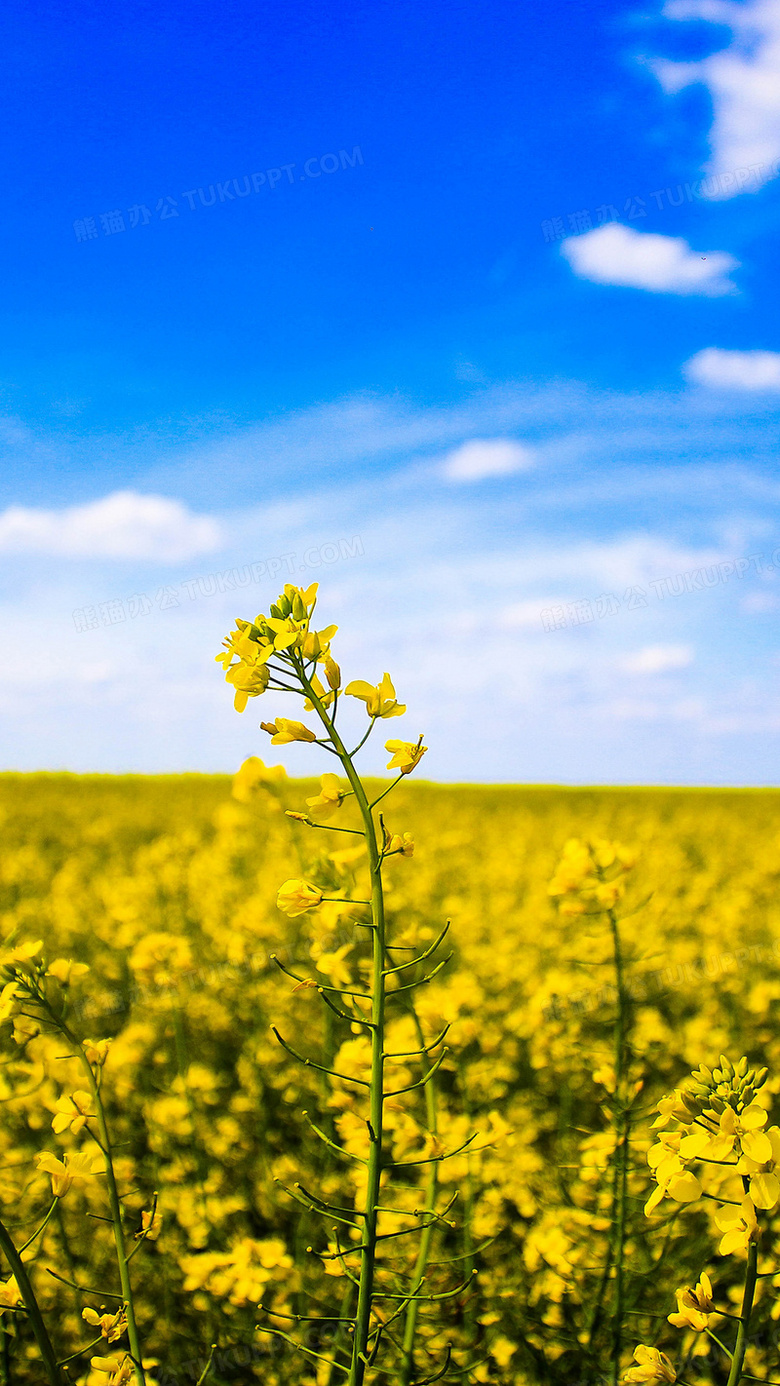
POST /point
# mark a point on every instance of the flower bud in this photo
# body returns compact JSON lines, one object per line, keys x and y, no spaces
{"x":332,"y":673}
{"x":742,"y":1066}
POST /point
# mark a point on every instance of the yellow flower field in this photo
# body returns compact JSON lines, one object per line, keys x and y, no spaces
{"x":166,"y":889}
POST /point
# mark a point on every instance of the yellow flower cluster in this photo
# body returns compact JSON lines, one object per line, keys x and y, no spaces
{"x":718,"y":1121}
{"x":166,"y":889}
{"x":591,"y":876}
{"x":252,"y":644}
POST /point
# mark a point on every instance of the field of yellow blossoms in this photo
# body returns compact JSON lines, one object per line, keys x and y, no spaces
{"x":150,"y":906}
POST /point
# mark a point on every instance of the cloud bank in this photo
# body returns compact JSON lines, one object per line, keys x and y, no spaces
{"x":124,"y":525}
{"x":743,"y":81}
{"x":735,"y":370}
{"x":486,"y":457}
{"x":617,"y":254}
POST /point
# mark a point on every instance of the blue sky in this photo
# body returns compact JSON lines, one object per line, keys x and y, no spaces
{"x":475,"y":312}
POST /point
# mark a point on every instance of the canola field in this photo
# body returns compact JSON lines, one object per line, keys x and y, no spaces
{"x":541,"y":1263}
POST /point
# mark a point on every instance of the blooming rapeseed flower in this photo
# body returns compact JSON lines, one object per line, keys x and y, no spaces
{"x":738,"y":1231}
{"x":111,"y":1326}
{"x":296,"y":897}
{"x":406,"y":755}
{"x":764,"y":1181}
{"x":694,"y":1307}
{"x":653,"y":1366}
{"x":330,"y":797}
{"x":673,"y":1179}
{"x":72,"y":1112}
{"x":71,"y":1172}
{"x":118,"y":1367}
{"x":380,"y":699}
{"x":10,"y":1295}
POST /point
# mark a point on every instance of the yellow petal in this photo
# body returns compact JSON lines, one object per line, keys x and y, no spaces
{"x":752,"y":1117}
{"x":764,"y":1190}
{"x":693,"y":1145}
{"x":720,"y":1147}
{"x":685,"y":1188}
{"x":358,"y":688}
{"x":757,"y":1145}
{"x":655,"y":1198}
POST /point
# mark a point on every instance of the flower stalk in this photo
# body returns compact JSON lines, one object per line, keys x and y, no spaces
{"x":281,"y":652}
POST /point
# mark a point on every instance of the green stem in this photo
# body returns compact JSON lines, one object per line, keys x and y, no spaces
{"x":116,"y":1219}
{"x":37,"y":1233}
{"x":740,"y":1347}
{"x":341,"y":1344}
{"x":19,"y":1270}
{"x":376,"y":1096}
{"x":622,"y":1131}
{"x":5,"y":1356}
{"x":469,"y":1201}
{"x":424,"y":1251}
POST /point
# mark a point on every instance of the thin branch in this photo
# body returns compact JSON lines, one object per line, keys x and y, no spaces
{"x":421,"y":958}
{"x":310,"y":1063}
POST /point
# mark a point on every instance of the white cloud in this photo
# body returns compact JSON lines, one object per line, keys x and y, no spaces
{"x":484,"y":457}
{"x":744,"y":83}
{"x":658,"y":659}
{"x":735,"y":370}
{"x":617,"y":254}
{"x":124,"y":525}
